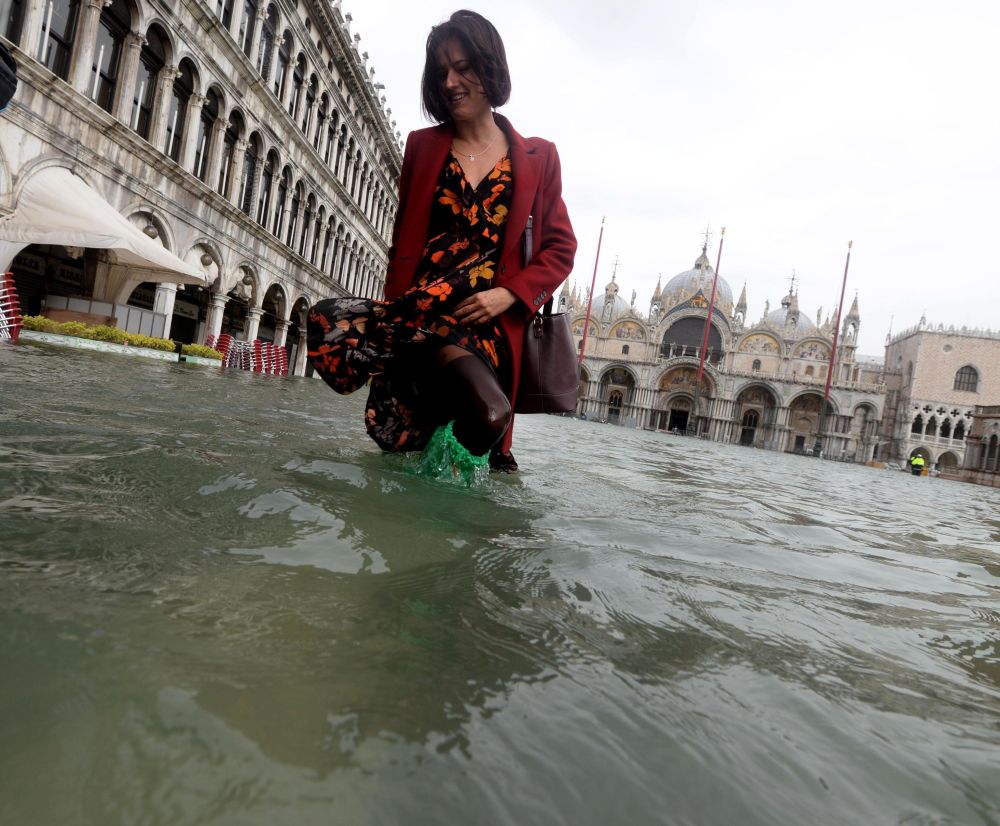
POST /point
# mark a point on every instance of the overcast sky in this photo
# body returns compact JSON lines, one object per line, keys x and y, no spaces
{"x":798,"y":126}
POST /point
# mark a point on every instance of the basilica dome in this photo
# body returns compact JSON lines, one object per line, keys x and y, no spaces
{"x":686,"y":284}
{"x":788,"y":318}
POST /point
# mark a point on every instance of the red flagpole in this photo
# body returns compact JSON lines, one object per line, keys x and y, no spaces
{"x":711,"y":307}
{"x":836,"y":328}
{"x":590,"y":299}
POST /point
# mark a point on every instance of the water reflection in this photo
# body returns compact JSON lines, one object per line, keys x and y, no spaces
{"x":221,"y":604}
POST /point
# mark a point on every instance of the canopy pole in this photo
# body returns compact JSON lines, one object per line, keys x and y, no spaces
{"x":818,"y":448}
{"x":590,"y":298}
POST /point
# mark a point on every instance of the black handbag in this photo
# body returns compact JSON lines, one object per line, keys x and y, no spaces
{"x":550,"y":371}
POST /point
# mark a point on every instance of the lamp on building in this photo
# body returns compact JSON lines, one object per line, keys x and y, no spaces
{"x":151,"y":230}
{"x":206,"y":259}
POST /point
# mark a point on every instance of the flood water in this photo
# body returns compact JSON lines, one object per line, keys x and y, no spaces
{"x":220,"y":604}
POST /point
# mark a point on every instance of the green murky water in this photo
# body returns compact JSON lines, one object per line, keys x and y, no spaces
{"x":220,"y":604}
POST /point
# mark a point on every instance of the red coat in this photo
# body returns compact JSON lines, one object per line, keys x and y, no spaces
{"x":537,"y":192}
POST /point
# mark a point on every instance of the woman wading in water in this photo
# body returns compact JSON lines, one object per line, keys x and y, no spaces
{"x":443,"y":351}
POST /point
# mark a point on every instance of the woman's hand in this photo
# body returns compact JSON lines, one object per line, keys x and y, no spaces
{"x":482,"y":306}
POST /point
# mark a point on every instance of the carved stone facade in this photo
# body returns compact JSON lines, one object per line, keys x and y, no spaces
{"x":982,"y":454}
{"x":763,"y":381}
{"x":248,"y":136}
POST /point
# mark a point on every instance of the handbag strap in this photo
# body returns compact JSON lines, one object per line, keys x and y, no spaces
{"x":528,"y":249}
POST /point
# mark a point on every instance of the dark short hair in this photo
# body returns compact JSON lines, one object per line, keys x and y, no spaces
{"x":481,"y":42}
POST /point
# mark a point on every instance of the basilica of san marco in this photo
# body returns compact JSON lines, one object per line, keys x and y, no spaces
{"x":763,"y":380}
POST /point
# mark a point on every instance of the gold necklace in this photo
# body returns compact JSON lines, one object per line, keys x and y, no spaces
{"x":476,"y":154}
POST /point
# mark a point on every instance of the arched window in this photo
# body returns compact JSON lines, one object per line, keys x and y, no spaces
{"x":918,"y":425}
{"x":266,"y":181}
{"x":967,"y":378}
{"x":267,"y":34}
{"x":284,"y":183}
{"x":810,"y":370}
{"x":946,"y":429}
{"x":180,"y":97}
{"x":284,"y":60}
{"x":624,"y":349}
{"x":249,"y":175}
{"x":224,"y":11}
{"x":931,"y":427}
{"x":247,"y":24}
{"x":991,"y":452}
{"x":756,"y":365}
{"x":116,"y":20}
{"x":209,"y":115}
{"x":10,"y":24}
{"x":61,"y":17}
{"x":151,"y":61}
{"x":751,"y":418}
{"x":959,"y":433}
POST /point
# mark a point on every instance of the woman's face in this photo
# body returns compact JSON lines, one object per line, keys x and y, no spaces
{"x":463,"y":93}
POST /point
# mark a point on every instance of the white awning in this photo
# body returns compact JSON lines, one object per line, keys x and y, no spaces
{"x":57,"y":207}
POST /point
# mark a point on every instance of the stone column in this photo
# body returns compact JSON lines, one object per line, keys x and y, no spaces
{"x":82,"y":62}
{"x":307,"y":119}
{"x":258,"y":28}
{"x":349,"y":271}
{"x":163,"y":303}
{"x":236,"y":173}
{"x":234,"y":23}
{"x":258,"y":175}
{"x":192,"y":123}
{"x":319,"y":140}
{"x":290,"y":218}
{"x":348,"y":163}
{"x":124,"y":99}
{"x":299,"y":368}
{"x":273,"y":68}
{"x":31,"y":30}
{"x":216,"y":311}
{"x":164,"y":84}
{"x":301,"y":102}
{"x":280,"y":332}
{"x":299,"y":218}
{"x":253,"y":323}
{"x":215,"y":152}
{"x":307,"y":246}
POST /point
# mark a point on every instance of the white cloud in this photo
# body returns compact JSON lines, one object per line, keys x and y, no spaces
{"x":798,"y":126}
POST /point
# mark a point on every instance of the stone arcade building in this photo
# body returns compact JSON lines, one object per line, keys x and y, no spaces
{"x":763,"y":381}
{"x":940,"y":381}
{"x":246,"y":136}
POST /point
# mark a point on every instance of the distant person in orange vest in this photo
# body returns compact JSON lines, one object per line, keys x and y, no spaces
{"x":917,"y":465}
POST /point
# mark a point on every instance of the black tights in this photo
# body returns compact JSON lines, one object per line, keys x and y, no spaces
{"x":465,"y":389}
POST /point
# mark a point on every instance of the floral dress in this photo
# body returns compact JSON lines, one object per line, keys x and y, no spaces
{"x":352,"y":341}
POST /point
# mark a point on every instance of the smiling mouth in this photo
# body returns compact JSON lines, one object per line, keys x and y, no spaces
{"x":453,"y":99}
